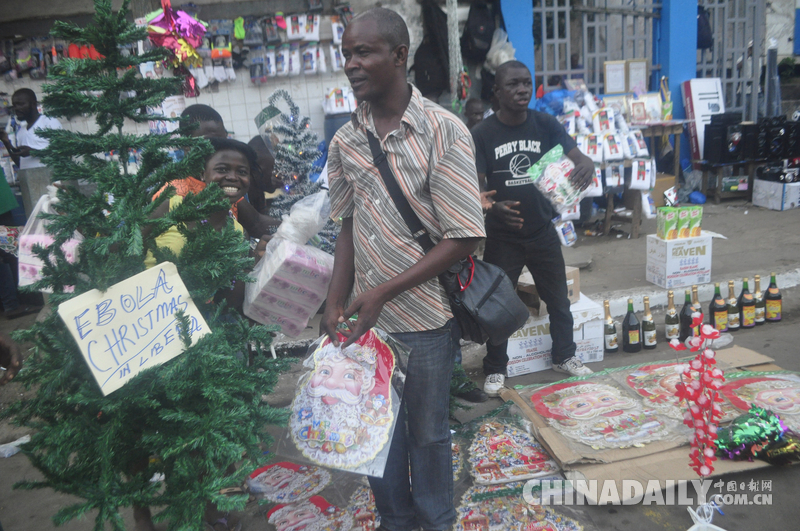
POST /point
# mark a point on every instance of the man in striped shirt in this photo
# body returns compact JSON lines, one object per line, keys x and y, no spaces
{"x":381,"y":272}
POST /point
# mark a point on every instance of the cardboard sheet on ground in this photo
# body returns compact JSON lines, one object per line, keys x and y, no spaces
{"x":346,"y":406}
{"x":659,"y":461}
{"x":132,"y":326}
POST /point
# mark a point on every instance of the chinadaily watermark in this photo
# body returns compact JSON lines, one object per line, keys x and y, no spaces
{"x":548,"y":491}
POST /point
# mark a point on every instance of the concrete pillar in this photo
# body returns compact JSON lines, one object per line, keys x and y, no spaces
{"x":518,"y":16}
{"x":677,"y":45}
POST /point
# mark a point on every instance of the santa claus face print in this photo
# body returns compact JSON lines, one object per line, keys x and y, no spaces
{"x":592,"y":404}
{"x":339,"y":378}
{"x":298,"y":518}
{"x":780,"y":400}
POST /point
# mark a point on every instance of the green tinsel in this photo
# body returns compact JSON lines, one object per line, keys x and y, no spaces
{"x":748,"y":434}
{"x":191,"y":418}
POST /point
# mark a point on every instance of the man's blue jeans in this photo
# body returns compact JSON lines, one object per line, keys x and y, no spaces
{"x":425,"y":444}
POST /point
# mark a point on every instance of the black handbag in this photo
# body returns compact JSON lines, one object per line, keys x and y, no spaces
{"x":482,"y":297}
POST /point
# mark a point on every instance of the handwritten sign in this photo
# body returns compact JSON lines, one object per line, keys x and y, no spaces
{"x":132,"y":326}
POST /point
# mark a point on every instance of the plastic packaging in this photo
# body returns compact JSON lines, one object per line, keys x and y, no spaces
{"x":603,"y":121}
{"x":343,"y":423}
{"x":296,"y":27}
{"x":596,"y":188}
{"x":566,"y":233}
{"x":337,"y":63}
{"x":292,"y":279}
{"x":640,"y":175}
{"x":551,"y":176}
{"x":572,"y":213}
{"x":613,"y":147}
{"x":309,"y":53}
{"x":337,"y":28}
{"x":282,"y":61}
{"x":648,"y":206}
{"x":591,"y":145}
{"x":312,"y":28}
{"x":501,"y":51}
{"x":269,"y":62}
{"x":295,"y":62}
{"x":322,"y":67}
{"x":35,"y":233}
{"x":641,"y":145}
{"x":13,"y":448}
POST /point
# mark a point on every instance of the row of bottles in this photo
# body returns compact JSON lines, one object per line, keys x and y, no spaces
{"x":746,"y":311}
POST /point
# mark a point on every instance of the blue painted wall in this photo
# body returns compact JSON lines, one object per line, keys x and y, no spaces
{"x":518,"y":17}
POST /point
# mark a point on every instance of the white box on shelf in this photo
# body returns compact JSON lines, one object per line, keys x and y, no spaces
{"x":678,"y":263}
{"x":529,"y":348}
{"x":776,"y":195}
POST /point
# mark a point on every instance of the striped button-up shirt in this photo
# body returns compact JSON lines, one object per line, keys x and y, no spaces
{"x":432,"y":156}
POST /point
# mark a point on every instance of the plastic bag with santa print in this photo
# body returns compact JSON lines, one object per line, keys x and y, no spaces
{"x":551,"y":176}
{"x":345,"y":407}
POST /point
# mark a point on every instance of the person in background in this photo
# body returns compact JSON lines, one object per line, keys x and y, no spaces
{"x":26,"y":109}
{"x":381,"y":273}
{"x":209,"y":125}
{"x":473,"y":110}
{"x":10,"y":358}
{"x":518,"y":222}
{"x":265,"y":181}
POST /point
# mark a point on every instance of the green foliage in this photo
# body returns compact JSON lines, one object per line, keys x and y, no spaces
{"x":294,"y":157}
{"x":191,"y":418}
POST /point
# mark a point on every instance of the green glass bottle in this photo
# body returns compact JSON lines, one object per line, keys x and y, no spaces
{"x":774,"y":301}
{"x":648,"y":327}
{"x":761,"y":304}
{"x":718,"y":311}
{"x":672,"y":323}
{"x":733,"y":310}
{"x":631,"y":331}
{"x":747,"y":307}
{"x":686,"y":317}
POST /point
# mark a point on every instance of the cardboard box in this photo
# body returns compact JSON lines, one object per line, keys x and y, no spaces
{"x":529,"y":348}
{"x":678,"y":263}
{"x":702,"y":98}
{"x":526,"y":289}
{"x":775,"y":195}
{"x":664,"y":182}
{"x":667,"y":223}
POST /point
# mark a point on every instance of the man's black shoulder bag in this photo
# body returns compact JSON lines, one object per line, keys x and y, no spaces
{"x":482,"y":297}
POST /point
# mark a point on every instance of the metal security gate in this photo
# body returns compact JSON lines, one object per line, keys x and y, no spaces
{"x":738,"y":28}
{"x":573,"y":38}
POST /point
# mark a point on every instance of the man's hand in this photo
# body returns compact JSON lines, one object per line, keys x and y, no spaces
{"x":10,"y":359}
{"x":486,"y":200}
{"x":261,"y":246}
{"x":23,"y":151}
{"x":505,"y":210}
{"x":581,"y":177}
{"x":368,"y":306}
{"x":331,"y":318}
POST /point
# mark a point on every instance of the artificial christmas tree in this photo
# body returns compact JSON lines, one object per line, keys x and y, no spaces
{"x":193,"y":417}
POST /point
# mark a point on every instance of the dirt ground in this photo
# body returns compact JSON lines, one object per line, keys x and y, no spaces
{"x":758,"y":241}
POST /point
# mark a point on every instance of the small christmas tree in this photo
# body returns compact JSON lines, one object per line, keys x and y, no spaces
{"x":295,"y":150}
{"x":191,"y":418}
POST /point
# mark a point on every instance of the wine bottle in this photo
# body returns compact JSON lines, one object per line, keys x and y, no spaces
{"x":696,"y":307}
{"x":761,"y":304}
{"x":686,"y":317}
{"x":672,"y":323}
{"x":631,"y":331}
{"x":610,"y":333}
{"x":773,"y":300}
{"x":747,"y":307}
{"x":733,"y":310}
{"x":718,"y":311}
{"x":648,"y":327}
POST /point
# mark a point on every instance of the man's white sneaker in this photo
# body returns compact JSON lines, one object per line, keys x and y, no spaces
{"x":573,"y":367}
{"x":493,"y":384}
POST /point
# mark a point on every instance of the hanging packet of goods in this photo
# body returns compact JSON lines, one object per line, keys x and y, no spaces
{"x":551,"y":176}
